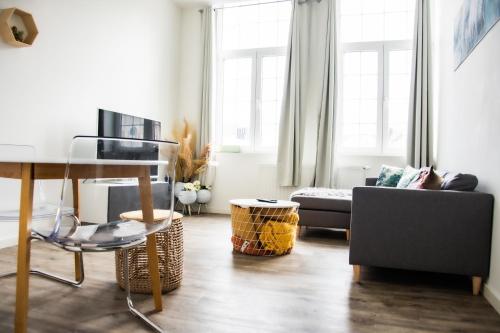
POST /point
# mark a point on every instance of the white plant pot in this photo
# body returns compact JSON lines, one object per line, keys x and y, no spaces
{"x":178,"y":187}
{"x":203,"y":196}
{"x":187,"y":197}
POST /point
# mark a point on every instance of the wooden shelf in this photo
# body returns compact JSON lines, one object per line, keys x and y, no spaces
{"x":7,"y":16}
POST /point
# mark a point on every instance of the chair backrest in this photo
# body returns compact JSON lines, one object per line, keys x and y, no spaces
{"x":137,"y":174}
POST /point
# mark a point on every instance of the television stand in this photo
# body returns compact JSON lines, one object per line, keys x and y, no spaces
{"x":104,"y":201}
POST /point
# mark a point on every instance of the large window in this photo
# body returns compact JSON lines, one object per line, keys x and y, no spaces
{"x":376,"y":50}
{"x":251,"y":42}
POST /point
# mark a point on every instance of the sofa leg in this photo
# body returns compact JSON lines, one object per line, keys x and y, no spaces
{"x":297,"y":234}
{"x":476,"y":285}
{"x":348,"y":234}
{"x":357,"y":273}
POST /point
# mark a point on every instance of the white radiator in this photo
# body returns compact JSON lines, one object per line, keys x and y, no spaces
{"x":268,"y":183}
{"x":350,"y":176}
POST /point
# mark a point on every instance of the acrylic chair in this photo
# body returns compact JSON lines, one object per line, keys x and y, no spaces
{"x":9,"y":207}
{"x":97,"y":159}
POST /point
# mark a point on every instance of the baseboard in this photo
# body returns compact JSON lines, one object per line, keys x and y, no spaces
{"x":492,"y":297}
{"x":8,"y":242}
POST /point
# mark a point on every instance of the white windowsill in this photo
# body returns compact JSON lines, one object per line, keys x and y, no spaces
{"x":368,"y":154}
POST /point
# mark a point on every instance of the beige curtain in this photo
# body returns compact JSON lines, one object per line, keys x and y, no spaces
{"x":419,"y":136}
{"x":307,"y":117}
{"x":206,"y":136}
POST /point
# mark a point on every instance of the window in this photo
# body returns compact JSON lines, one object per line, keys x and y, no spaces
{"x":251,"y":42}
{"x":375,"y":62}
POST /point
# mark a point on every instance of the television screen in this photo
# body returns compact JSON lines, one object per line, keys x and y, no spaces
{"x":118,"y":125}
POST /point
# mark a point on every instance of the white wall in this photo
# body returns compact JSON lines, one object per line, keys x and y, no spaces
{"x":469,"y":117}
{"x":120,"y":55}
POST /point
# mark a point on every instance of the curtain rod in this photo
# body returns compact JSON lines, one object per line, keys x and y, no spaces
{"x":250,"y":4}
{"x":300,"y":2}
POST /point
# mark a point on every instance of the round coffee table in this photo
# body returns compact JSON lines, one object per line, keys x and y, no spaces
{"x":263,"y":228}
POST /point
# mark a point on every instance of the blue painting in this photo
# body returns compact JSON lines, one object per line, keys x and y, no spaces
{"x":475,"y":18}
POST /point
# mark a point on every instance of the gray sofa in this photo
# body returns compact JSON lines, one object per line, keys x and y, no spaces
{"x":325,"y":208}
{"x":435,"y":231}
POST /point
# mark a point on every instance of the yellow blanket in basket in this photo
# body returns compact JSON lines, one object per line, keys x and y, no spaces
{"x":244,"y":223}
{"x":279,"y":236}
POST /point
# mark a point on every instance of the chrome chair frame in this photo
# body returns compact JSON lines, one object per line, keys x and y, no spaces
{"x":77,"y":284}
{"x":130,"y":303}
{"x":53,"y":277}
{"x":76,"y":247}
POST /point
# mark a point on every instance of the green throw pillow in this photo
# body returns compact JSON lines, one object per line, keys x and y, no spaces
{"x":409,"y":175}
{"x":389,"y":176}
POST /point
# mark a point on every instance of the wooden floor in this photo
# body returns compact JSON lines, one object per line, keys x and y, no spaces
{"x":309,"y":290}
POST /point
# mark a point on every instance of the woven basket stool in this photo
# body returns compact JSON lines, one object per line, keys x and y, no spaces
{"x":170,"y":248}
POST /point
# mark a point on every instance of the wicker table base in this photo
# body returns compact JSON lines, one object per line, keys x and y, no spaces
{"x":263,"y":229}
{"x":170,"y":249}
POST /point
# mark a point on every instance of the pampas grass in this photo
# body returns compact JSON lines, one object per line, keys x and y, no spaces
{"x":188,"y":167}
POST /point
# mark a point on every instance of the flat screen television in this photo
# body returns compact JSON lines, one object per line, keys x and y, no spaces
{"x":118,"y":125}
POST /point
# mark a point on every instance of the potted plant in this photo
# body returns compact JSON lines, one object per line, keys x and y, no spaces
{"x":203,"y":195}
{"x":189,"y":167}
{"x":188,"y":194}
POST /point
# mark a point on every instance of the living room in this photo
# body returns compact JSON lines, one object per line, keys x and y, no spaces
{"x":274,"y":166}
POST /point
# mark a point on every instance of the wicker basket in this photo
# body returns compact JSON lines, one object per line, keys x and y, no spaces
{"x":170,"y":248}
{"x":263,"y":231}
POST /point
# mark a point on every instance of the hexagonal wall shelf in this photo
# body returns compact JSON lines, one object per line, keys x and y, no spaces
{"x":25,"y":23}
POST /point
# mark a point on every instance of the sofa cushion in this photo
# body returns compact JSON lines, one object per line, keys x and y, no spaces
{"x":389,"y":176}
{"x":427,"y":179}
{"x":326,"y":199}
{"x":458,"y":182}
{"x":409,"y":175}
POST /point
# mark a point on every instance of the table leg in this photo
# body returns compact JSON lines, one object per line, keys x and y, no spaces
{"x":148,"y":216}
{"x":24,"y":248}
{"x":76,"y":208}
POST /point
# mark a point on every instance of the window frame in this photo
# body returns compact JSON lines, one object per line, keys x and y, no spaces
{"x":383,"y":80}
{"x":383,"y":47}
{"x":256,"y":55}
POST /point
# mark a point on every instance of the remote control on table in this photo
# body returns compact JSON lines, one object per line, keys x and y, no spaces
{"x":268,"y":200}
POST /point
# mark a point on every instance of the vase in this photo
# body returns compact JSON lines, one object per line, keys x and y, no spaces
{"x":178,"y":187}
{"x":187,"y":197}
{"x":203,"y":196}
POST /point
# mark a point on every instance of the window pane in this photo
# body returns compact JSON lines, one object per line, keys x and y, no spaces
{"x":372,"y":6}
{"x":367,"y":135}
{"x":351,"y":7}
{"x":253,"y":38}
{"x":236,"y":101}
{"x":395,"y":26}
{"x":271,"y":96}
{"x":398,"y":98}
{"x":373,"y":27}
{"x":368,"y":111}
{"x":377,"y":20}
{"x":369,"y":86}
{"x":359,"y":95}
{"x":351,"y":28}
{"x":255,"y":26}
{"x":351,"y":109}
{"x":379,"y":23}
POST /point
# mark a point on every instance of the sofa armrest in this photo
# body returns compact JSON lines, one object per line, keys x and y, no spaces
{"x":439,"y":231}
{"x":371,"y":181}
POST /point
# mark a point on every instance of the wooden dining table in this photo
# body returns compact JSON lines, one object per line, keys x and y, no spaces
{"x":28,"y":172}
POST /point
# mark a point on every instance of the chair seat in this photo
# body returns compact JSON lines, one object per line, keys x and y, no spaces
{"x":96,"y":237}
